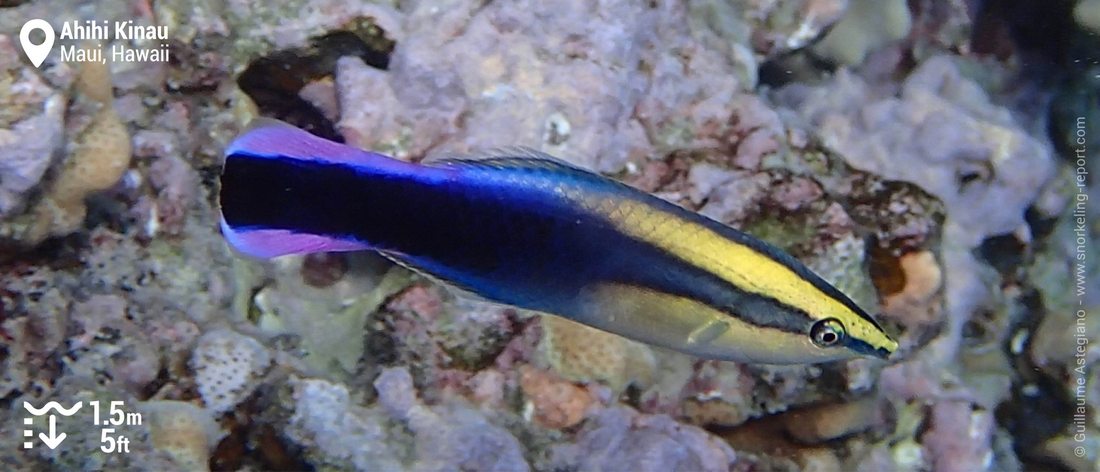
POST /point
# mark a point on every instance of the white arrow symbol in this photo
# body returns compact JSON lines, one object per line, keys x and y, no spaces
{"x":53,"y":440}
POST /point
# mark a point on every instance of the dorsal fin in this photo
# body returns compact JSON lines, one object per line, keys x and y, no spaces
{"x":513,"y":157}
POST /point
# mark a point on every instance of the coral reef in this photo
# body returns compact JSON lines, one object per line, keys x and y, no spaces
{"x":531,"y":87}
{"x":984,"y":168}
{"x":933,"y":160}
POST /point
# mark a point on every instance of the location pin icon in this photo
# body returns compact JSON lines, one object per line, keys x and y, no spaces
{"x":36,"y":52}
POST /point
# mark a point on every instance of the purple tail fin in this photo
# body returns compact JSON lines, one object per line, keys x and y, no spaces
{"x":246,"y":194}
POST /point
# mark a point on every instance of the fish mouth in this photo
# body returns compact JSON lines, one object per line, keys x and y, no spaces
{"x":882,"y":353}
{"x":868,"y":350}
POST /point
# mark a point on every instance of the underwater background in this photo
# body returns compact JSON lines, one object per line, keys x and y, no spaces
{"x":933,"y":159}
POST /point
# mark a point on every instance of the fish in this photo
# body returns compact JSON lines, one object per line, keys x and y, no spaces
{"x":524,"y":229}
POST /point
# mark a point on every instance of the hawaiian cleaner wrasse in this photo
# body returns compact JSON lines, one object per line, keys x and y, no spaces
{"x":530,"y":231}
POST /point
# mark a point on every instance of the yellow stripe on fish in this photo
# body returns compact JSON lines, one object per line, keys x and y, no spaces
{"x":751,"y":270}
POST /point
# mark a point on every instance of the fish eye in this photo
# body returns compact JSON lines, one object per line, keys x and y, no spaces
{"x":827,"y":333}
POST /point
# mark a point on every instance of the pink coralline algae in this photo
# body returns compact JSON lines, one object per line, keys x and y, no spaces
{"x":596,"y":95}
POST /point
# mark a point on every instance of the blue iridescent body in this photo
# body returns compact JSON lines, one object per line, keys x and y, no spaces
{"x":461,"y":226}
